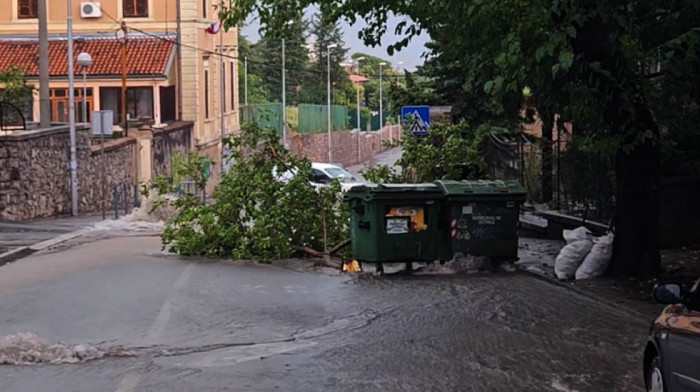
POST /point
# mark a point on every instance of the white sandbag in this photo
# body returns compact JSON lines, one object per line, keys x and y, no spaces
{"x":578,"y":234}
{"x":598,"y":260}
{"x":571,"y":257}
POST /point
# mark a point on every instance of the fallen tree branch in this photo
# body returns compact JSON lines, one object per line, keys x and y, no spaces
{"x":327,"y":261}
{"x":340,"y":246}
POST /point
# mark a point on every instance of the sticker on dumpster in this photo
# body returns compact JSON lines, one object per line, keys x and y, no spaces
{"x":413,"y":217}
{"x":467,"y":210}
{"x":397,"y":225}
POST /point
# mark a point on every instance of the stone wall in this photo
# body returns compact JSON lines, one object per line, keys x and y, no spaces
{"x":35,"y":176}
{"x":100,"y":174}
{"x":344,"y":145}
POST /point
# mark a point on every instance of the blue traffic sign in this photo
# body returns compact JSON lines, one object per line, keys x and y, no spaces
{"x":417,"y":118}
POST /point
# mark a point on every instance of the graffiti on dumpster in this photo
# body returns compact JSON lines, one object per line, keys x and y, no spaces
{"x":401,"y":220}
{"x":482,"y":233}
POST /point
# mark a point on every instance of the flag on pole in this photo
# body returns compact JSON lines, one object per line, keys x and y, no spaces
{"x":215,"y":27}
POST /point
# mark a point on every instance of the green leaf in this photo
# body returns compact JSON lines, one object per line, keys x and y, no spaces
{"x":566,"y":59}
{"x":555,"y":70}
{"x":571,"y":31}
{"x":488,"y":86}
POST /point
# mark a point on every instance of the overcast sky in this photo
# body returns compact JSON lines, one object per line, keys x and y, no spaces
{"x":411,"y":56}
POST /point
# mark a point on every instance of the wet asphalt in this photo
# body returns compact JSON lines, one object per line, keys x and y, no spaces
{"x":192,"y":325}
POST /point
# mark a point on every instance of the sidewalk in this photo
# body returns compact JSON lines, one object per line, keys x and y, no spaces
{"x":388,"y":158}
{"x":14,"y":235}
{"x":537,"y":257}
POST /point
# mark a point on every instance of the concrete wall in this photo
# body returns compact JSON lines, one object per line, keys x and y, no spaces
{"x":35,"y":176}
{"x":343,"y":145}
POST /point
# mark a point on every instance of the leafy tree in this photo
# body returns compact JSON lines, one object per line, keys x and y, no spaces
{"x":254,"y":214}
{"x":326,"y":32}
{"x":269,"y":69}
{"x":257,"y":93}
{"x":620,"y":70}
{"x":17,"y":92}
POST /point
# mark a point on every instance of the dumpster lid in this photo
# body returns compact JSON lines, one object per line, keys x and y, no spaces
{"x":481,"y":187}
{"x":395,"y":188}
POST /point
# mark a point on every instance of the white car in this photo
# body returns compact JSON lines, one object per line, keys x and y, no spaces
{"x":324,"y":173}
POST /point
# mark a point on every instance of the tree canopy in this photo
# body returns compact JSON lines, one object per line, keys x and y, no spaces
{"x":625,"y":72}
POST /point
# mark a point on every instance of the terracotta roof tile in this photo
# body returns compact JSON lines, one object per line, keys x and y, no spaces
{"x":145,"y":56}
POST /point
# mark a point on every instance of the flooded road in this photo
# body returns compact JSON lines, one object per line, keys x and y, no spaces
{"x":122,"y":316}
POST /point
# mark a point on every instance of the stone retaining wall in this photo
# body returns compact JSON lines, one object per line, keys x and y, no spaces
{"x":344,"y":145}
{"x":35,"y":175}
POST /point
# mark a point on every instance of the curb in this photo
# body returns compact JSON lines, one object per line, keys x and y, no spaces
{"x":585,"y":293}
{"x":25,"y":251}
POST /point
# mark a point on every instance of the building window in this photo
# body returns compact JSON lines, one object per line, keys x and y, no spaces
{"x":206,"y":93}
{"x":167,"y":104}
{"x":233,"y":84}
{"x":135,"y":8}
{"x":204,"y":9}
{"x":60,"y":105}
{"x":27,"y":9}
{"x":139,"y":103}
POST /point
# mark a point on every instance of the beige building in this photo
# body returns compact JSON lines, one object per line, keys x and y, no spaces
{"x":163,"y":85}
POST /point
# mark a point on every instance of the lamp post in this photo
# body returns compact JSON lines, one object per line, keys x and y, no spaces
{"x":381,"y":98}
{"x":85,"y":61}
{"x":71,"y":114}
{"x":122,"y":38}
{"x":284,"y":89}
{"x":330,"y":145}
{"x":359,"y":118}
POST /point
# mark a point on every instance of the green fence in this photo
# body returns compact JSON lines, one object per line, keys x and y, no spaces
{"x":314,"y":118}
{"x":267,"y":116}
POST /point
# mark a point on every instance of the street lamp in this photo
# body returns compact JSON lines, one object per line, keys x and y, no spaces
{"x":284,"y":90}
{"x":84,"y":60}
{"x":122,"y":38}
{"x":359,"y":119}
{"x":381,"y":100}
{"x":330,"y":154}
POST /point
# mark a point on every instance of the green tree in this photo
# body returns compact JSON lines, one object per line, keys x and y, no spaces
{"x":622,"y":71}
{"x":17,"y":92}
{"x":256,"y":91}
{"x":326,"y":32}
{"x":269,"y":69}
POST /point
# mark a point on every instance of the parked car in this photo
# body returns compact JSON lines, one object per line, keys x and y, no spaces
{"x":324,"y":173}
{"x":672,"y":355}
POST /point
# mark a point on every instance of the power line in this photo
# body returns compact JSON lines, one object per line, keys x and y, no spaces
{"x":214,"y":53}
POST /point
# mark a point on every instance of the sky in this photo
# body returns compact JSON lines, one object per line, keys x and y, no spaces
{"x":411,"y":55}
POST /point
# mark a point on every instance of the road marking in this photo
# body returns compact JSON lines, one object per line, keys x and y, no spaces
{"x":129,"y":382}
{"x":131,"y":379}
{"x":161,"y":321}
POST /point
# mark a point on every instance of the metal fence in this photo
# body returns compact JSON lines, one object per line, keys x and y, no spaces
{"x":314,"y":118}
{"x":582,"y":181}
{"x":267,"y":116}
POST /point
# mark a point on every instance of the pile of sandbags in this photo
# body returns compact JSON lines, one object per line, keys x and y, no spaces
{"x":583,"y":257}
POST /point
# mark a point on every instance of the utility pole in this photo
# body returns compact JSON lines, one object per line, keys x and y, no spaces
{"x":179,"y":59}
{"x":44,"y":100}
{"x":122,"y":37}
{"x":223,"y":86}
{"x":359,"y":118}
{"x":330,"y":124}
{"x":71,"y":115}
{"x":284,"y":96}
{"x":381,"y":98}
{"x":245,"y":86}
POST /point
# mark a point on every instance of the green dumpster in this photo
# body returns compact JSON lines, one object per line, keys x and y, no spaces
{"x":395,"y":223}
{"x":480,"y":218}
